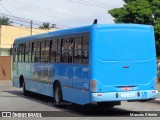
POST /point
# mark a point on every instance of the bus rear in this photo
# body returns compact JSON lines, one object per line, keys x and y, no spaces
{"x":123,"y":63}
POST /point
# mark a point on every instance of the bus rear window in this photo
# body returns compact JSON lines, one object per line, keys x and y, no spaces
{"x":125,"y":44}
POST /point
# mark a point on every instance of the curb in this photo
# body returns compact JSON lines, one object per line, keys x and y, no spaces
{"x":157,"y":101}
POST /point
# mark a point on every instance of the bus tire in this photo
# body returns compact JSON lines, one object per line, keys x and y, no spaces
{"x":58,"y":97}
{"x":25,"y":92}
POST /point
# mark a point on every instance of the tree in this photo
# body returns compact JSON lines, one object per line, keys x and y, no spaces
{"x":5,"y":21}
{"x":45,"y":26}
{"x":140,"y":12}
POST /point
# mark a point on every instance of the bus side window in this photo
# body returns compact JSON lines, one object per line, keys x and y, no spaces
{"x":58,"y":51}
{"x":70,"y":54}
{"x":45,"y":51}
{"x":30,"y":52}
{"x":36,"y":53}
{"x":42,"y":51}
{"x":78,"y":50}
{"x":85,"y":48}
{"x":64,"y":56}
{"x":18,"y":54}
{"x":33,"y":52}
{"x":21,"y":52}
{"x":53,"y":44}
{"x":26,"y":52}
{"x":24,"y":48}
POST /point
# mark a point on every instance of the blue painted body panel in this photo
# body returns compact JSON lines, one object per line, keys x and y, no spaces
{"x":119,"y":55}
{"x":73,"y":79}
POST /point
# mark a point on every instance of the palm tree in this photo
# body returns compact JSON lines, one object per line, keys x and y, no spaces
{"x":45,"y":26}
{"x":5,"y":21}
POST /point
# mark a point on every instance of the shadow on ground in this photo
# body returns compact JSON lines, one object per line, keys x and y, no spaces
{"x":73,"y":110}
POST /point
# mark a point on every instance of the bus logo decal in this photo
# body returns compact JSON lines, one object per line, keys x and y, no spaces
{"x":144,"y":94}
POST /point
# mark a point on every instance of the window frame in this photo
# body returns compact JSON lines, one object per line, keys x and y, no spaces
{"x":68,"y":41}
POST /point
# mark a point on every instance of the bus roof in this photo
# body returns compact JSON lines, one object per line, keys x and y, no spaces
{"x":53,"y":34}
{"x":77,"y":30}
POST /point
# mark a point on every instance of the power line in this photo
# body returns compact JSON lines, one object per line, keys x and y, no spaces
{"x":26,"y":22}
{"x":6,"y":9}
{"x":95,"y":4}
{"x":65,"y":14}
{"x":106,"y":3}
{"x":47,"y":11}
{"x":37,"y":11}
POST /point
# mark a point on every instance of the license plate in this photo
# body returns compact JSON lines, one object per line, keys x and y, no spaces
{"x":128,"y":95}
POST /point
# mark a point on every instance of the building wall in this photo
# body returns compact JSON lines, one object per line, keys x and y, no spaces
{"x":7,"y":37}
{"x":5,"y":67}
{"x":4,"y":51}
{"x":9,"y":33}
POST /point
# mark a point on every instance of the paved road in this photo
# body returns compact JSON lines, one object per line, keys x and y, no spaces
{"x":12,"y":99}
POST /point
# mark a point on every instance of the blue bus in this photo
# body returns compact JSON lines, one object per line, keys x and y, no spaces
{"x":99,"y":63}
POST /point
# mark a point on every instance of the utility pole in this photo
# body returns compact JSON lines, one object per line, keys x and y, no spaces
{"x":31,"y":26}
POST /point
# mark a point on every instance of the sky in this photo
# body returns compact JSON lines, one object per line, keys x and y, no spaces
{"x":63,"y":13}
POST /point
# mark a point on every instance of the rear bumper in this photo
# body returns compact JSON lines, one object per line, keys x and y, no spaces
{"x":124,"y":96}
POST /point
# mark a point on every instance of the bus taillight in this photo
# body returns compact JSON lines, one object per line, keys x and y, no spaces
{"x":99,"y":94}
{"x":93,"y":85}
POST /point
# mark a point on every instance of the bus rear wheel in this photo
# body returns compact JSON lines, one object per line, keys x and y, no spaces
{"x":58,"y":97}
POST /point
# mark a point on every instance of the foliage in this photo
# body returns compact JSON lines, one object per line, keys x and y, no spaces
{"x":45,"y":26}
{"x":140,"y":12}
{"x":5,"y":21}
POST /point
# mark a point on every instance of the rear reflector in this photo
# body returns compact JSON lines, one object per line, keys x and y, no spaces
{"x":153,"y":91}
{"x":99,"y":94}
